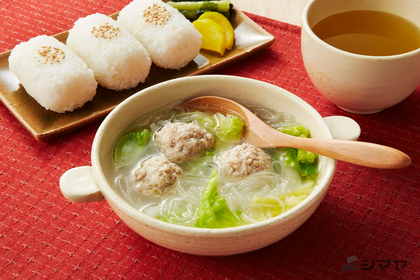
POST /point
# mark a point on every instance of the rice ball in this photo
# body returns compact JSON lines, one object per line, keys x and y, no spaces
{"x":181,"y":142}
{"x":243,"y":160}
{"x":171,"y":40}
{"x":157,"y":176}
{"x":53,"y":74}
{"x":118,"y":60}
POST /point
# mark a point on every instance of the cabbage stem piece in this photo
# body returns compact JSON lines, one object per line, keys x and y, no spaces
{"x":274,"y":206}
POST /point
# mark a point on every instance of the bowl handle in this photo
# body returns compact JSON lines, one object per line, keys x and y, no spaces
{"x":78,"y":185}
{"x":343,"y":128}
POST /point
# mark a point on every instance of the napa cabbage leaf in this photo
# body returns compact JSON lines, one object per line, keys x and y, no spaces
{"x":227,"y":128}
{"x":303,"y":161}
{"x":129,"y":146}
{"x":213,"y":211}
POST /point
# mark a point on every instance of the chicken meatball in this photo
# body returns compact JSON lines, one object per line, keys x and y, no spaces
{"x":181,"y":142}
{"x":157,"y":176}
{"x":243,"y":160}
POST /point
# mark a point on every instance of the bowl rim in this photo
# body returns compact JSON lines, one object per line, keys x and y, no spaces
{"x":114,"y":199}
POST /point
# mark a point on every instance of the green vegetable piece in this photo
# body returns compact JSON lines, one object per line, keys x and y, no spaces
{"x":209,"y":6}
{"x":226,"y":129}
{"x":306,"y":157}
{"x":303,"y":161}
{"x":290,"y":158}
{"x":209,"y":153}
{"x":194,"y":0}
{"x":307,"y":171}
{"x":218,"y":6}
{"x":129,"y":146}
{"x":193,"y":15}
{"x":296,"y":130}
{"x":214,"y":211}
{"x":230,"y":128}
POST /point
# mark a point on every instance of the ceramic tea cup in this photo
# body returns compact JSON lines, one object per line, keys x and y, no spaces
{"x":358,"y":83}
{"x":95,"y":183}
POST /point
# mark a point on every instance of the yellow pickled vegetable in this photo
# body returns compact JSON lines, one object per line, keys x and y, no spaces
{"x":213,"y":35}
{"x":224,"y":23}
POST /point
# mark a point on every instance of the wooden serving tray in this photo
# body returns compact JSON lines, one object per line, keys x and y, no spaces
{"x":45,"y":124}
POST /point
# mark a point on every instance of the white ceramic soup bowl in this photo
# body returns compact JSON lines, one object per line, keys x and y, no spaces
{"x":360,"y":84}
{"x":94,"y":183}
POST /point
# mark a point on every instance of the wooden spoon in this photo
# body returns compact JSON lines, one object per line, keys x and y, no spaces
{"x":262,"y":135}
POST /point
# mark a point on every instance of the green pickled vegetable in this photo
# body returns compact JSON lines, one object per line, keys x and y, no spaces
{"x":218,"y":6}
{"x":194,"y":0}
{"x":193,"y":15}
{"x":214,"y":211}
{"x":130,"y":146}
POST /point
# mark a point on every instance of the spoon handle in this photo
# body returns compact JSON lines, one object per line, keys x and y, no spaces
{"x":262,"y":135}
{"x":356,"y":152}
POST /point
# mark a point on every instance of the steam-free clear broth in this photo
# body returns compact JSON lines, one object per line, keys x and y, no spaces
{"x":283,"y":187}
{"x":368,"y":32}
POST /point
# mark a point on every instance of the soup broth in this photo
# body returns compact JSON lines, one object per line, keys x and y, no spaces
{"x":368,"y":32}
{"x":257,"y":197}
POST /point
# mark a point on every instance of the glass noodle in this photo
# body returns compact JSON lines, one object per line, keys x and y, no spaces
{"x":258,"y":197}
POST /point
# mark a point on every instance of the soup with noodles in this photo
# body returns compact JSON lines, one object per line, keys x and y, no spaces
{"x":194,"y":169}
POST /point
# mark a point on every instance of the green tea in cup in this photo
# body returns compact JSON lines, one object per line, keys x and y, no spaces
{"x":362,"y":55}
{"x":369,"y":32}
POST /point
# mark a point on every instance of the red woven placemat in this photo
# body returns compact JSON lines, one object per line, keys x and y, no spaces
{"x":369,"y":215}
